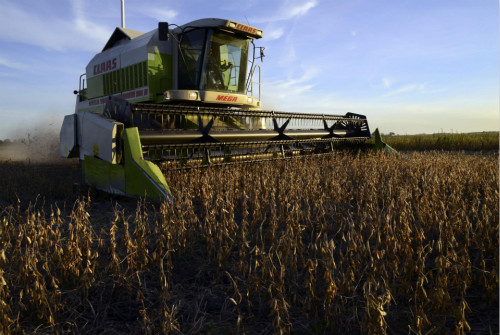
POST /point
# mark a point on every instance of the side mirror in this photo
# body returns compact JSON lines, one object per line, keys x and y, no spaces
{"x":163,"y":31}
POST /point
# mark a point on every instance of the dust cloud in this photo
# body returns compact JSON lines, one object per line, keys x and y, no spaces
{"x":38,"y":145}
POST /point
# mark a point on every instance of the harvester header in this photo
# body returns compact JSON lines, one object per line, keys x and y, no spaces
{"x":187,"y":96}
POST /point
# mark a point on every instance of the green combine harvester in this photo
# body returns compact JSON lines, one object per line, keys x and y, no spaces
{"x":182,"y":96}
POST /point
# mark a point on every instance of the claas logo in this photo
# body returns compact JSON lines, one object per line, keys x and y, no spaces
{"x":245,"y":28}
{"x":105,"y":66}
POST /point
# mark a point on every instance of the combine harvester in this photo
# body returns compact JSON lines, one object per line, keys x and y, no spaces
{"x":186,"y":96}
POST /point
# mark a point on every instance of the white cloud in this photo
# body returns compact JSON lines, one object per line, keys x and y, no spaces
{"x":288,"y":10}
{"x":406,"y":89}
{"x":26,"y":25}
{"x":386,"y":82}
{"x":301,"y":9}
{"x":13,"y":65}
{"x":291,"y":93}
{"x":422,"y":88}
{"x":274,"y":33}
{"x":160,"y":14}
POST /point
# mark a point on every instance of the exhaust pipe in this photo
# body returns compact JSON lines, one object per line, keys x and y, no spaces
{"x":123,"y":13}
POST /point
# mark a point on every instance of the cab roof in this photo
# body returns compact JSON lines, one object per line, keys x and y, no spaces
{"x":121,"y":34}
{"x":223,"y":24}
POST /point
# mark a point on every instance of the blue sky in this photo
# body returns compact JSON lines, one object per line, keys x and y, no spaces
{"x":411,"y":66}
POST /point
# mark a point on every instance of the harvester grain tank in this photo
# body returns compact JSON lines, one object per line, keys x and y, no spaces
{"x":186,"y":96}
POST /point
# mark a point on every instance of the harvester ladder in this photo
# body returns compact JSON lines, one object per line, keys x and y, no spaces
{"x":250,"y":88}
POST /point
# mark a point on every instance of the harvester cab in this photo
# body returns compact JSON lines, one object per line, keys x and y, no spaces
{"x":186,"y":96}
{"x":202,"y":62}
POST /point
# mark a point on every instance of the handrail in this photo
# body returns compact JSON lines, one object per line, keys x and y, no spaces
{"x":250,"y":81}
{"x":81,"y":84}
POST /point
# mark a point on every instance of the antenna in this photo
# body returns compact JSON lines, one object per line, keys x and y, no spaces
{"x":123,"y":13}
